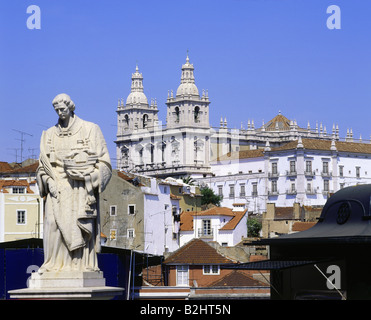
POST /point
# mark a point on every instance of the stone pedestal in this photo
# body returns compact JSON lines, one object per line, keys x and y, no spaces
{"x":67,"y":285}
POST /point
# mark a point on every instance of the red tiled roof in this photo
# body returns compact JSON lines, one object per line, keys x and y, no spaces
{"x":281,"y":121}
{"x":310,"y":144}
{"x":236,"y":279}
{"x":302,"y":226}
{"x":186,"y":221}
{"x":27,"y":169}
{"x":196,"y":251}
{"x":231,"y":224}
{"x":5,"y":166}
{"x":319,"y":144}
{"x":128,"y":177}
{"x":15,"y":183}
{"x":283,"y":213}
{"x":186,"y":217}
{"x":245,"y":154}
{"x":214,"y":211}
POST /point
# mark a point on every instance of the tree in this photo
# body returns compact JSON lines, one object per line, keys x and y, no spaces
{"x":189,"y":180}
{"x":209,"y":197}
{"x":253,"y":227}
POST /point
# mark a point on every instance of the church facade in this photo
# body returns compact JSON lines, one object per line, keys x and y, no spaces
{"x":187,"y":144}
{"x":181,"y":147}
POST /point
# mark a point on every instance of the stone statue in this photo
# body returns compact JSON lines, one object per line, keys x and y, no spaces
{"x":74,"y":166}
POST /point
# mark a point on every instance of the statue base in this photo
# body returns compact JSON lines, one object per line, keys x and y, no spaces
{"x":67,"y":285}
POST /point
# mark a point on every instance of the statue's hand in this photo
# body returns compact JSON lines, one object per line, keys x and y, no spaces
{"x":53,"y":188}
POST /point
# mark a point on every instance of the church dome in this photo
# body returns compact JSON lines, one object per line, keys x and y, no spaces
{"x":186,"y":89}
{"x":187,"y":82}
{"x":136,"y":97}
{"x":137,"y":93}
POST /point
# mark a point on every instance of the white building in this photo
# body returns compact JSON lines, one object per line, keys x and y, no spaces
{"x":305,"y":171}
{"x":180,"y":148}
{"x":223,"y":225}
{"x":139,"y":213}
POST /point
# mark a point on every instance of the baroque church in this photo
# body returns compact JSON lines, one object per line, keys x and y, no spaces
{"x":187,"y":144}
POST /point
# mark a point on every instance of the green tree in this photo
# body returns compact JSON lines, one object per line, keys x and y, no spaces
{"x":189,"y":180}
{"x":253,"y":227}
{"x":209,"y":197}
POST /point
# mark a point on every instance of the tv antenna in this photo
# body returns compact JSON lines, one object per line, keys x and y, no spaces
{"x":22,"y":140}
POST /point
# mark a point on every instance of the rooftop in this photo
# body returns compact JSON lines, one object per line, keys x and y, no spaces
{"x":196,"y":251}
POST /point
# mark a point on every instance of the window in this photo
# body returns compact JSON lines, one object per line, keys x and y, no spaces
{"x":211,"y":269}
{"x":206,"y":227}
{"x":231,"y":191}
{"x":292,"y":187}
{"x":292,"y":167}
{"x":254,"y":189}
{"x":308,"y":166}
{"x":112,"y":210}
{"x":309,"y":187}
{"x":21,"y":216}
{"x":274,"y":186}
{"x":177,"y":114}
{"x":274,"y":167}
{"x":141,"y":156}
{"x":342,"y":185}
{"x":358,"y":172}
{"x":220,"y":191}
{"x":197,"y":114}
{"x":341,"y":171}
{"x":242,"y":190}
{"x":112,"y":234}
{"x":325,"y":167}
{"x":326,"y":185}
{"x":19,"y":190}
{"x":131,"y":209}
{"x":145,"y":120}
{"x":130,"y":233}
{"x":182,"y":276}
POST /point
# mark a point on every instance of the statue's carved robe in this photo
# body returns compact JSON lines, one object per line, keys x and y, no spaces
{"x":72,"y":224}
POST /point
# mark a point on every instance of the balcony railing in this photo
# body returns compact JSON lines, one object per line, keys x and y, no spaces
{"x":272,"y":193}
{"x":273,"y":174}
{"x":310,"y":191}
{"x":291,"y":191}
{"x":205,"y":233}
{"x":326,"y":174}
{"x":309,"y":173}
{"x":291,"y":173}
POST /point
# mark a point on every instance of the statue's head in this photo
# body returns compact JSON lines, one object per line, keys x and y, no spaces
{"x":64,"y":99}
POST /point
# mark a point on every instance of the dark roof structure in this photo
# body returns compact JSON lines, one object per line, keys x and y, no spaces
{"x":345,"y":218}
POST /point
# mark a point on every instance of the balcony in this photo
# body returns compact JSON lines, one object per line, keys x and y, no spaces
{"x":273,"y":174}
{"x":205,"y":233}
{"x":326,"y":174}
{"x":291,"y":173}
{"x":327,"y":192}
{"x":272,"y":193}
{"x":291,"y":191}
{"x":309,"y":173}
{"x":310,"y":191}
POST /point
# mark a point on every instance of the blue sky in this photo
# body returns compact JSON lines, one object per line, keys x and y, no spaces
{"x":255,"y":57}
